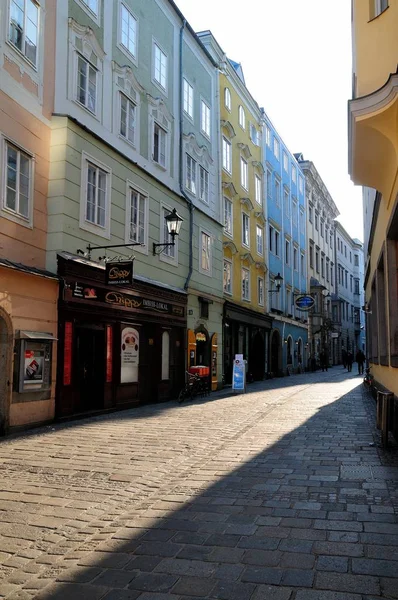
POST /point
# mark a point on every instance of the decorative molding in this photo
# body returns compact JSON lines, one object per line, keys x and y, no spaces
{"x":159,"y":104}
{"x":247,"y":202}
{"x":244,"y":148}
{"x":201,"y":152}
{"x":258,"y":165}
{"x":247,"y":257}
{"x":231,"y":246}
{"x":260,"y":216}
{"x":261,"y":266}
{"x":89,"y":41}
{"x":127,"y":75}
{"x":227,"y":126}
{"x":229,"y":188}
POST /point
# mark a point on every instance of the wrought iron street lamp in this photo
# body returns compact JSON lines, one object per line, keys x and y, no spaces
{"x":278,"y":282}
{"x":173,"y":223}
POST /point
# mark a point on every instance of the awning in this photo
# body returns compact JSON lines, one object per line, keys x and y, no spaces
{"x":35,"y":335}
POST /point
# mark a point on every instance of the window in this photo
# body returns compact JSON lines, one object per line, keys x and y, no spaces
{"x":285,"y":162}
{"x":203,"y":185}
{"x":254,"y":135}
{"x":96,"y":195}
{"x":276,"y":148}
{"x":269,"y":184}
{"x":92,"y":5}
{"x":205,"y":261}
{"x":127,"y":118}
{"x":227,"y":277}
{"x":301,"y":185}
{"x":188,"y":98}
{"x":346,"y":280}
{"x":228,"y":216}
{"x":160,"y":67}
{"x":356,"y":286}
{"x":345,"y":250}
{"x":331,"y":239}
{"x":244,"y":174}
{"x":302,"y":265}
{"x":86,"y":84}
{"x":310,"y":214}
{"x":128,"y":32}
{"x":350,"y":283}
{"x":260,"y":291}
{"x":295,"y":213}
{"x":294,"y":174}
{"x":242,"y":117}
{"x":268,"y":136}
{"x":259,"y":240}
{"x":226,"y":155}
{"x":276,"y":243}
{"x":273,"y":240}
{"x":245,"y":284}
{"x":18,"y":168}
{"x":277,"y":186}
{"x":159,"y":145}
{"x":316,"y":221}
{"x":245,"y":230}
{"x":322,"y":228}
{"x":205,"y":118}
{"x":23,"y":32}
{"x":377,"y":7}
{"x":227,"y":99}
{"x":137,"y":217}
{"x":311,"y":256}
{"x":287,"y":252}
{"x":331,"y":274}
{"x":317,"y":261}
{"x":338,"y":244}
{"x":322,"y":266}
{"x":295,"y":259}
{"x":356,"y":260}
{"x":286,"y":202}
{"x":257,"y":187}
{"x":350,"y":257}
{"x":169,"y":252}
{"x":190,"y":181}
{"x":327,"y":269}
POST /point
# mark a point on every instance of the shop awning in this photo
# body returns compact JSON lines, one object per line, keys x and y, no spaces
{"x":35,"y":335}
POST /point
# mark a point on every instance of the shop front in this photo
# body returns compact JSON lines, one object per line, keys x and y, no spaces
{"x":119,"y":345}
{"x":246,"y":332}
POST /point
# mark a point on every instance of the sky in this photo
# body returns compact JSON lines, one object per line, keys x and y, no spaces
{"x":296,"y":58}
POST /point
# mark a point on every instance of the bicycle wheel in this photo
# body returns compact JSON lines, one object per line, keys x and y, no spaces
{"x":182,"y":395}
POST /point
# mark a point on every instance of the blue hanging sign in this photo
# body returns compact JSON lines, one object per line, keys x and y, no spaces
{"x":304,"y":302}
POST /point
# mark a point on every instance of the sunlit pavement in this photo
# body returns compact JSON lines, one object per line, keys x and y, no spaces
{"x":279,"y":494}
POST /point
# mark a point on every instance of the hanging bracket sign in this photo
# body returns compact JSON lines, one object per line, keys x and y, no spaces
{"x":119,"y":273}
{"x":304,"y":302}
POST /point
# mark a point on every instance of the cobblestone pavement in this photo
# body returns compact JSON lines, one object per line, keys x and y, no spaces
{"x":280,"y":494}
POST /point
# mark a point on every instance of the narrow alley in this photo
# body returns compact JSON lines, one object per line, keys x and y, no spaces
{"x":279,"y":494}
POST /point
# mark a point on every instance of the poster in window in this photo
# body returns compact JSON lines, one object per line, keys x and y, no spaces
{"x":34,"y":364}
{"x":130,"y":352}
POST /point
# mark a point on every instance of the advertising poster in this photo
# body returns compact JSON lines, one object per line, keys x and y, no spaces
{"x":34,"y":363}
{"x":239,"y":374}
{"x":130,"y":352}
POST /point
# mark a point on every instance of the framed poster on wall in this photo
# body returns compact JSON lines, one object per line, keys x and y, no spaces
{"x":129,"y":355}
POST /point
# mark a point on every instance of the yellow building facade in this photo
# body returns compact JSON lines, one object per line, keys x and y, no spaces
{"x":373,"y":163}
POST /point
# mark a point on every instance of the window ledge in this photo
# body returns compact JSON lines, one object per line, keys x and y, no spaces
{"x":16,"y":218}
{"x":22,"y":57}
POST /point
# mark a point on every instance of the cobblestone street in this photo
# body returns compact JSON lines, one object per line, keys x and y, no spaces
{"x":280,"y":494}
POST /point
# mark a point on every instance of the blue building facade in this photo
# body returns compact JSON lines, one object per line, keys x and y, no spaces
{"x":287,"y":253}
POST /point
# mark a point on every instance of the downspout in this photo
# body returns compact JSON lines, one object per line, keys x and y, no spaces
{"x":181,"y":169}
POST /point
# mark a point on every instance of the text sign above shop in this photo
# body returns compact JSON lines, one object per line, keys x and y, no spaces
{"x":119,"y":273}
{"x":304,"y":302}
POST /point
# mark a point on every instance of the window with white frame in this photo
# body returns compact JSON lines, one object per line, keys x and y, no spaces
{"x":169,"y":252}
{"x":277,"y":187}
{"x":127,"y":118}
{"x":316,"y":221}
{"x":268,"y":136}
{"x":86,"y":84}
{"x":286,"y":202}
{"x":18,"y":182}
{"x":190,"y":180}
{"x":159,"y":145}
{"x":242,"y":117}
{"x":310,"y":214}
{"x":159,"y":66}
{"x":205,"y":261}
{"x":260,"y":290}
{"x":128,"y":30}
{"x":301,"y":185}
{"x":294,"y":212}
{"x":302,"y":222}
{"x":96,"y":195}
{"x":257,"y":188}
{"x":188,"y":98}
{"x":205,"y":118}
{"x":294,"y":174}
{"x":23,"y":28}
{"x":287,"y":252}
{"x":245,"y":274}
{"x":245,"y":230}
{"x":92,"y":5}
{"x":269,"y":184}
{"x":285,"y":162}
{"x":260,"y":240}
{"x":244,"y":177}
{"x":203,"y":185}
{"x":295,"y":258}
{"x":276,"y":148}
{"x":137,"y":211}
{"x":226,"y":155}
{"x":273,"y":240}
{"x":254,"y":135}
{"x":227,"y":277}
{"x":302,"y":265}
{"x":227,"y":98}
{"x":228,"y":216}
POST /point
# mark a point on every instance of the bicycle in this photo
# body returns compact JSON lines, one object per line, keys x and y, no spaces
{"x":194,"y":386}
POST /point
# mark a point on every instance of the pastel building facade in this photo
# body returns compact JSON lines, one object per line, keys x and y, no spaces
{"x":28,"y":292}
{"x":287,"y":252}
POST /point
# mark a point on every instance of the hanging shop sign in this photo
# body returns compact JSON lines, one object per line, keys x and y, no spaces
{"x":304,"y":302}
{"x":119,"y":273}
{"x":130,"y":353}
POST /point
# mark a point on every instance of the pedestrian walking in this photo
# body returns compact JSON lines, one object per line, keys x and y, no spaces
{"x":350,"y":359}
{"x":323,"y":360}
{"x":360,"y":358}
{"x":344,"y":357}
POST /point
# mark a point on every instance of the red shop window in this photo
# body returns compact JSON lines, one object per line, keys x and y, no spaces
{"x":68,"y":353}
{"x":109,"y":343}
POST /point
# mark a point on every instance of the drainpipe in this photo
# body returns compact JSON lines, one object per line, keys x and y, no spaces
{"x":181,"y":169}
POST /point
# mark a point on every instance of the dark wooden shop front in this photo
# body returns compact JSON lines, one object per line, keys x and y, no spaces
{"x":118,"y":347}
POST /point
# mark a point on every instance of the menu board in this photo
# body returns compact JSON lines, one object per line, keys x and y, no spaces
{"x":130,"y":355}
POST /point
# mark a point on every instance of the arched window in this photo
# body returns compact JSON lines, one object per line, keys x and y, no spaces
{"x":227,"y":98}
{"x":165,"y":355}
{"x":242,"y":117}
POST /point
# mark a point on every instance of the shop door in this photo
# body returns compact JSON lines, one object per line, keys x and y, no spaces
{"x":5,"y":348}
{"x":89,"y":368}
